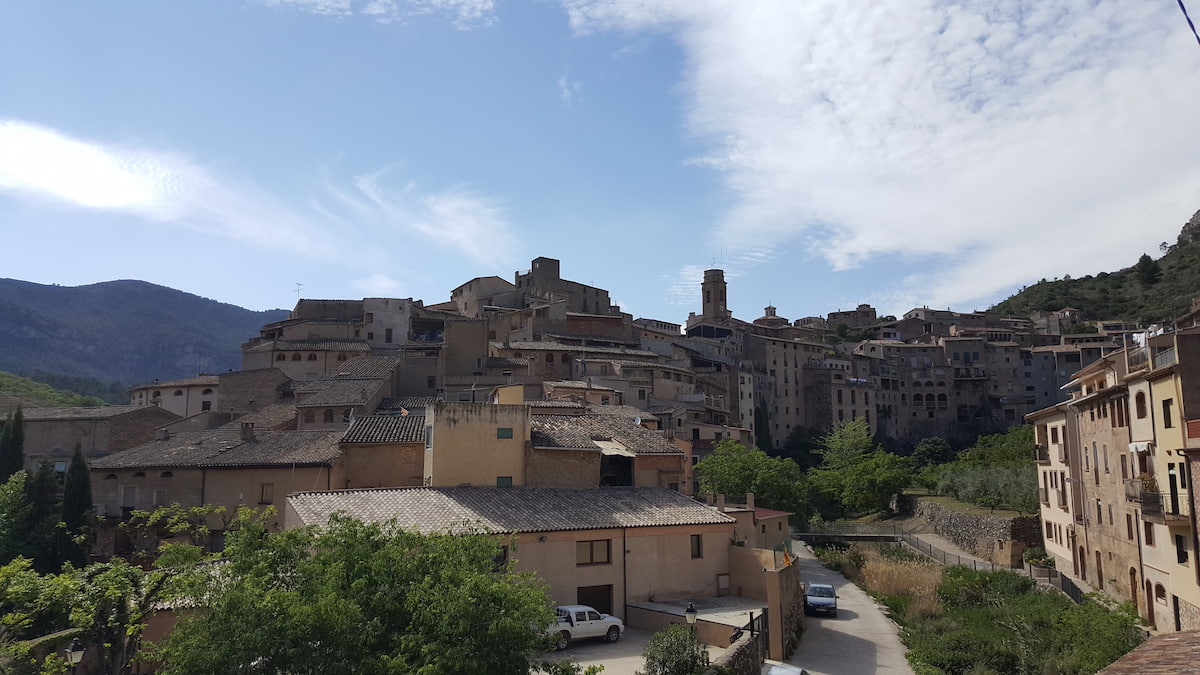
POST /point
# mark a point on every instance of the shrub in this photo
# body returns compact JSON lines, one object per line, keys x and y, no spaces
{"x":674,"y":651}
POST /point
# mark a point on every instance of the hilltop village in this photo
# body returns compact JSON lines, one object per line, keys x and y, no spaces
{"x":389,"y":408}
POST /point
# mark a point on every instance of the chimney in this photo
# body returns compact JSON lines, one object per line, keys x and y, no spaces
{"x":750,"y":500}
{"x":721,"y":503}
{"x":251,"y":402}
{"x":162,"y":434}
{"x":247,"y":431}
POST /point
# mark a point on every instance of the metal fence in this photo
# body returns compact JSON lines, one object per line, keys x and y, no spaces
{"x":1047,"y":577}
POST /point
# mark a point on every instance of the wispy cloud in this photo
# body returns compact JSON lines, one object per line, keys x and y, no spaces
{"x":44,"y":164}
{"x":379,"y":285}
{"x":569,"y":89}
{"x":971,"y":133}
{"x":463,"y":14}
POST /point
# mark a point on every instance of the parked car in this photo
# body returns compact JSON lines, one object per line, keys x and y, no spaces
{"x":820,"y":599}
{"x":580,"y":621}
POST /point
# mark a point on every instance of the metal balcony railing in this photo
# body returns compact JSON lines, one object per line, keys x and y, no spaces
{"x":1164,"y":358}
{"x":1133,"y":489}
{"x":1162,"y":505}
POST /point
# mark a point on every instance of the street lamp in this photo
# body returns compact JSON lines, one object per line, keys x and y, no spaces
{"x":690,"y":614}
{"x":74,"y":653}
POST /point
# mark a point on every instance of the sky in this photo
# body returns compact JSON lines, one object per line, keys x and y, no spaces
{"x":824,"y":154}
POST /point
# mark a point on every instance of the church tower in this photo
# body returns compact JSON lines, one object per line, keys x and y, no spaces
{"x":713,"y":295}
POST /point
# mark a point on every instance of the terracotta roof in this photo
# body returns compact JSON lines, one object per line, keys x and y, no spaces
{"x":413,"y":404}
{"x":507,"y":362}
{"x":313,"y":345}
{"x":198,"y":381}
{"x":386,"y":429}
{"x":581,"y":350}
{"x":217,"y":448}
{"x":274,"y":416}
{"x":554,"y":404}
{"x":341,"y":392}
{"x":770,"y":513}
{"x":89,"y":413}
{"x":1166,"y":654}
{"x":515,"y":509}
{"x":581,"y":432}
{"x":365,"y":368}
{"x":626,"y":411}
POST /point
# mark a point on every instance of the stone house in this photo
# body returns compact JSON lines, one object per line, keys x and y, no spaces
{"x":51,"y":433}
{"x":186,"y":397}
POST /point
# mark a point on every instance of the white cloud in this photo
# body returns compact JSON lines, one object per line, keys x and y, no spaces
{"x":1008,"y":142}
{"x":379,"y":285}
{"x":463,"y":14}
{"x":41,"y":163}
{"x":569,"y":89}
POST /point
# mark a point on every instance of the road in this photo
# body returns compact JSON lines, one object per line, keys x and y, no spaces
{"x":861,"y":640}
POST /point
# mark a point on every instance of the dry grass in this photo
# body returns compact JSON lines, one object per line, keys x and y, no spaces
{"x":916,"y":581}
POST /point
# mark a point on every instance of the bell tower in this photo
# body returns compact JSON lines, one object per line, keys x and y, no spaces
{"x":713,"y":295}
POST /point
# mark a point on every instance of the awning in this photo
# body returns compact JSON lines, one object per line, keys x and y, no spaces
{"x":1141,"y":446}
{"x":613,"y":448}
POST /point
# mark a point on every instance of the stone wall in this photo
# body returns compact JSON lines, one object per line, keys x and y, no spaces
{"x":1000,"y":540}
{"x":744,"y":657}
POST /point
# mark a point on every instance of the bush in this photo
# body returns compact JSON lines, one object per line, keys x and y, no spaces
{"x":674,"y":651}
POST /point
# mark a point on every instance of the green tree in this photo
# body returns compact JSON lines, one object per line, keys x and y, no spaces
{"x":803,"y":446}
{"x":846,"y":442}
{"x":869,"y":483}
{"x":674,"y":651}
{"x":42,"y":536}
{"x":14,"y":514}
{"x":12,"y":444}
{"x":1147,"y":270}
{"x":931,"y":452}
{"x":734,"y":469}
{"x":762,"y":429}
{"x":76,"y":507}
{"x":362,"y":598}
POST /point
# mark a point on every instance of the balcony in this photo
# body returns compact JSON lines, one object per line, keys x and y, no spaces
{"x":964,"y":373}
{"x":1165,"y":358}
{"x":1062,"y":499}
{"x":1045,"y":495}
{"x":1133,"y":489}
{"x":1137,"y":359}
{"x":1161,"y":508}
{"x":1041,"y":454}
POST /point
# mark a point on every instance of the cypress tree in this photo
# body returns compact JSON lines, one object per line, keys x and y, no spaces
{"x":12,"y":444}
{"x":77,"y":503}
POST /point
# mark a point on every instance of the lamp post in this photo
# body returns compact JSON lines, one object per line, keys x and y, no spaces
{"x":74,"y":653}
{"x":690,"y":614}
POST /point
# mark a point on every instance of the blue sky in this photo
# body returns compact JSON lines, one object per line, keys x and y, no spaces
{"x":823,"y":153}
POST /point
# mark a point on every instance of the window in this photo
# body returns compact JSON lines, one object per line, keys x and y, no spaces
{"x":178,"y":392}
{"x":341,"y":356}
{"x":1128,"y":526}
{"x":295,"y":357}
{"x":312,"y":357}
{"x":697,"y":546}
{"x":281,"y":357}
{"x":504,"y":432}
{"x":503,"y":481}
{"x":387,"y":335}
{"x":166,"y":474}
{"x":159,"y":497}
{"x":328,"y":418}
{"x":1168,"y":405}
{"x":1181,"y":552}
{"x":594,"y":552}
{"x":431,"y":382}
{"x":1149,"y":528}
{"x":205,"y":405}
{"x":266,"y":493}
{"x":1140,"y":405}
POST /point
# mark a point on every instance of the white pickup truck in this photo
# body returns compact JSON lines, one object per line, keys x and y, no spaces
{"x":581,"y":621}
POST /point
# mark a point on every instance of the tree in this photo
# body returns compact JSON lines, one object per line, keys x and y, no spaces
{"x":734,"y":469}
{"x":932,"y":451}
{"x":869,"y":483}
{"x":847,"y":441}
{"x":762,"y":429}
{"x":77,"y":505}
{"x":1147,"y":270}
{"x":353,"y":597}
{"x":674,"y":651}
{"x":14,"y":514}
{"x":42,"y":536}
{"x":803,"y":446}
{"x":12,"y":444}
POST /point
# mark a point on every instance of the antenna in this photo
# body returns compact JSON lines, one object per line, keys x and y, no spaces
{"x":298,"y":287}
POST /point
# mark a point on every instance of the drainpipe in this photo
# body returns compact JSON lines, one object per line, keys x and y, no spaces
{"x":624,"y":575}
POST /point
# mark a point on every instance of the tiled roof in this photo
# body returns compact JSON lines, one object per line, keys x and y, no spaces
{"x":386,"y":429}
{"x":313,"y":345}
{"x":413,"y":404}
{"x":198,"y":381}
{"x":626,"y":411}
{"x":574,"y":384}
{"x":1166,"y":654}
{"x":580,"y":431}
{"x":507,"y":362}
{"x":225,"y":448}
{"x":341,"y":392}
{"x":770,"y":513}
{"x":554,"y":404}
{"x":365,"y":368}
{"x":560,"y":347}
{"x":90,"y":413}
{"x":274,"y":416}
{"x":515,"y":509}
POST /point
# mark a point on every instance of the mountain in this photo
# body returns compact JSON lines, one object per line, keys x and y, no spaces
{"x":16,"y":390}
{"x":130,"y":332}
{"x":1124,"y":294}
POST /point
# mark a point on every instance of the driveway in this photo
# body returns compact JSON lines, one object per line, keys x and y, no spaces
{"x":623,"y":657}
{"x":860,"y":640}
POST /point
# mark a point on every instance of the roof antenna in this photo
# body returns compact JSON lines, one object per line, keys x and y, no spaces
{"x":298,"y":287}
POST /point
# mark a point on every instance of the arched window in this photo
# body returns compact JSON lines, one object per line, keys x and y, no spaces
{"x":328,"y":416}
{"x":941,"y":383}
{"x":178,"y":392}
{"x":942,"y":401}
{"x":166,"y":474}
{"x":1140,"y":404}
{"x":281,"y":357}
{"x":1160,"y":594}
{"x":918,"y":399}
{"x":111,"y":476}
{"x":295,"y":357}
{"x":140,"y":474}
{"x":206,"y":392}
{"x":929,"y":383}
{"x":312,"y":357}
{"x":917,"y":384}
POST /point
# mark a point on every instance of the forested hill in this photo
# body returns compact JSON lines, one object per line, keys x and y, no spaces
{"x":1148,"y":291}
{"x":129,"y":332}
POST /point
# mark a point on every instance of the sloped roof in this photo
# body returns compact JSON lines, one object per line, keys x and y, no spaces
{"x":386,"y":429}
{"x":365,"y":368}
{"x":515,"y":509}
{"x":310,"y":345}
{"x":225,"y":448}
{"x":1165,"y":654}
{"x":579,"y":349}
{"x":88,"y":413}
{"x":198,"y":381}
{"x":340,"y":392}
{"x":507,"y":362}
{"x":273,"y":416}
{"x":413,"y":404}
{"x":626,"y":411}
{"x":582,"y":432}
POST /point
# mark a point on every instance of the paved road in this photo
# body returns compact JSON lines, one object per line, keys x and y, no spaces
{"x":861,"y":640}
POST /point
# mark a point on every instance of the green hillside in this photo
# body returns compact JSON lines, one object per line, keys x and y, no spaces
{"x":15,"y":389}
{"x":1127,"y":294}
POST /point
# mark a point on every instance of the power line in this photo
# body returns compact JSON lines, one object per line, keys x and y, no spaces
{"x":1189,"y":20}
